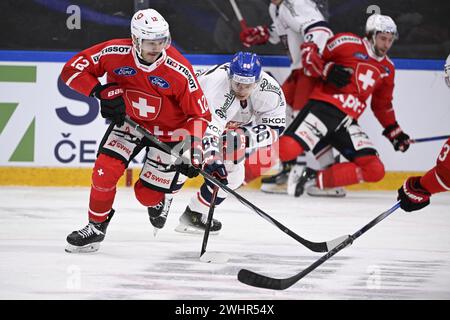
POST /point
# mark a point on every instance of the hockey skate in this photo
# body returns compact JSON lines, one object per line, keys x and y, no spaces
{"x":158,"y":214}
{"x":88,"y":239}
{"x":277,"y":183}
{"x":195,"y":222}
{"x":304,"y":178}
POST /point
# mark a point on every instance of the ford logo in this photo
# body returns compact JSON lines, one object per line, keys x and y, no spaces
{"x":360,"y":55}
{"x":125,"y":71}
{"x":160,"y":82}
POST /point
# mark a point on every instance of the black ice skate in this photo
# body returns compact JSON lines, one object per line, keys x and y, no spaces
{"x":306,"y":178}
{"x":158,"y":214}
{"x":88,"y":239}
{"x":195,"y":222}
{"x":278,"y":182}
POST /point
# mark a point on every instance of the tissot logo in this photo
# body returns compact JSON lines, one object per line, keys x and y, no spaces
{"x":125,"y":71}
{"x":160,"y":82}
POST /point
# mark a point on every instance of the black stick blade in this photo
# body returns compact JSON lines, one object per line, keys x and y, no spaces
{"x":256,"y":280}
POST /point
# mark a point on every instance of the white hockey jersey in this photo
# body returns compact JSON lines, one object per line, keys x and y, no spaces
{"x":290,"y":21}
{"x":266,"y":105}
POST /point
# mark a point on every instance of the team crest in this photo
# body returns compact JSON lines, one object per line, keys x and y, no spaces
{"x":144,"y":106}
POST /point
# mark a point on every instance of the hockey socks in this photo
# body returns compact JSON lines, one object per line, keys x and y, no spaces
{"x":105,"y":175}
{"x":362,"y":169}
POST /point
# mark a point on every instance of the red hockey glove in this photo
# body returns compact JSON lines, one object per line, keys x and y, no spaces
{"x":311,"y":60}
{"x":412,"y":195}
{"x":112,"y":105}
{"x":397,"y":137}
{"x":336,"y":74}
{"x":254,"y":36}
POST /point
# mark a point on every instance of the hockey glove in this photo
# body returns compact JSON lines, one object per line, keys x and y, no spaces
{"x":191,"y":170}
{"x":254,"y":36}
{"x":336,"y":74}
{"x":112,"y":105}
{"x":412,"y":195}
{"x":311,"y":60}
{"x":234,"y":145}
{"x":397,"y":137}
{"x":215,"y":167}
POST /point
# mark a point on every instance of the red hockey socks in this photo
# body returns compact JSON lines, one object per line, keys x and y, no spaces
{"x":105,"y":175}
{"x":289,"y":148}
{"x":362,"y":169}
{"x":146,"y":196}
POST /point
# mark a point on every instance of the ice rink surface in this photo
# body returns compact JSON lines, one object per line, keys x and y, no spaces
{"x":406,"y":256}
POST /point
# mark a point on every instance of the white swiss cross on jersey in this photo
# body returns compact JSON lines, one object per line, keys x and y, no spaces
{"x":144,"y":106}
{"x":366,"y":76}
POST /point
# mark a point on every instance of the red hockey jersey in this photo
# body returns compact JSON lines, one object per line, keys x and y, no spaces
{"x":162,"y":97}
{"x":372,"y":75}
{"x":438,"y":179}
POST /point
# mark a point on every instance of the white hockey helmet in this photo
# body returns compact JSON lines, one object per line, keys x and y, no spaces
{"x":148,"y":24}
{"x":381,"y":23}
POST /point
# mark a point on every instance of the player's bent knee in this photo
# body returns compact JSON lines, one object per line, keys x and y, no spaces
{"x":289,"y":148}
{"x":146,"y":196}
{"x":107,"y":171}
{"x":444,"y":175}
{"x":371,"y":167}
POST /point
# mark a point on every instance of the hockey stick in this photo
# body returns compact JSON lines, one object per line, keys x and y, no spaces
{"x":211,"y":256}
{"x":429,"y":139}
{"x":238,"y":14}
{"x":257,"y":280}
{"x":314,"y":246}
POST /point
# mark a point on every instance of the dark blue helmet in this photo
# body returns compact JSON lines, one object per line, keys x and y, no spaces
{"x":245,"y":67}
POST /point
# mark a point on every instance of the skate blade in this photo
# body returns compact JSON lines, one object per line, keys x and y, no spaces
{"x":214,"y":257}
{"x":92,"y":247}
{"x":328,"y":193}
{"x":274,"y":189}
{"x":182,"y":228}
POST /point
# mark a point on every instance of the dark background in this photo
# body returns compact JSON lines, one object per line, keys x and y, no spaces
{"x":210,"y":26}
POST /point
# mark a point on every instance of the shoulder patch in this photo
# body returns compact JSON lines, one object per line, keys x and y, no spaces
{"x":265,"y":85}
{"x":184,"y":71}
{"x":114,"y":49}
{"x":342,"y":40}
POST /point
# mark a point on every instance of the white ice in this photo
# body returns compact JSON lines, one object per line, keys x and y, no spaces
{"x":406,"y":256}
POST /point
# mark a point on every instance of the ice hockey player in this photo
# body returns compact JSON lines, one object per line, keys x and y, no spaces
{"x":152,"y":83}
{"x":248,"y":112}
{"x":351,"y":69}
{"x":294,"y":22}
{"x":416,"y":191}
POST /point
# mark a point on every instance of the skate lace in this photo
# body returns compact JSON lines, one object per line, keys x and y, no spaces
{"x":166,"y":208}
{"x":89,"y":230}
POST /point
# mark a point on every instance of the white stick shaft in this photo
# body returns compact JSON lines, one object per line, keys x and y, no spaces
{"x":236,"y":10}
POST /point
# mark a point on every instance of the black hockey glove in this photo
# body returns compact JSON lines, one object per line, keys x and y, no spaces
{"x":412,"y":195}
{"x":397,"y":137}
{"x":191,"y":170}
{"x":336,"y":74}
{"x":112,"y":105}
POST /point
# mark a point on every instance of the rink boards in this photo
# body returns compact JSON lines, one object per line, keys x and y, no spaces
{"x":49,"y":134}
